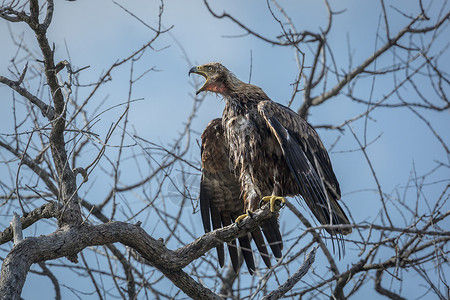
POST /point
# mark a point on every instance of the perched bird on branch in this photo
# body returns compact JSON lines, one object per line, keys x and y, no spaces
{"x":261,"y":151}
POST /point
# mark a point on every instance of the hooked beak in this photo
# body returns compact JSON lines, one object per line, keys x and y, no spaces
{"x":197,"y":70}
{"x":193,"y":70}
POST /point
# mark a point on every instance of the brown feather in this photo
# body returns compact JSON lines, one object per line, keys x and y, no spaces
{"x":220,"y":196}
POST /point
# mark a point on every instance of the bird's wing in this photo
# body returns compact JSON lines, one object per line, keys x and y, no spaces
{"x":220,"y":196}
{"x":309,"y":163}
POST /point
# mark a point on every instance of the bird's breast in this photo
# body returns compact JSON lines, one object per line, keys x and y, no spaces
{"x":238,"y":124}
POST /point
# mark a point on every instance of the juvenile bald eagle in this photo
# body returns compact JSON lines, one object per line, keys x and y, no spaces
{"x":260,"y":150}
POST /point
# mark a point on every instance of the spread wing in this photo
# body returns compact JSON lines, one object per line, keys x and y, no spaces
{"x":309,"y":163}
{"x":220,"y":197}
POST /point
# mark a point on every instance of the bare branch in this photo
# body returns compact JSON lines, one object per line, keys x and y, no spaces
{"x":47,"y":110}
{"x":47,"y":211}
{"x":358,"y":70}
{"x":382,"y":290}
{"x":289,"y":284}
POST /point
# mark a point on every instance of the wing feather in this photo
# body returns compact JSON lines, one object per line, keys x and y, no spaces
{"x":308,"y":162}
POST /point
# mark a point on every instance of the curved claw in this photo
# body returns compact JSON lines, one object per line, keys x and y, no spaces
{"x":272,"y":200}
{"x":261,"y":203}
{"x":239,"y":219}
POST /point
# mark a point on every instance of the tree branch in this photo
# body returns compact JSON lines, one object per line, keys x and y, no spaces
{"x":71,"y":240}
{"x":71,"y":214}
{"x":46,"y":110}
{"x":46,"y":211}
{"x":289,"y":284}
{"x":382,"y":290}
{"x":358,"y":70}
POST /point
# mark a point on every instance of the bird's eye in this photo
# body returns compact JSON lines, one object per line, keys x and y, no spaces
{"x":210,"y":68}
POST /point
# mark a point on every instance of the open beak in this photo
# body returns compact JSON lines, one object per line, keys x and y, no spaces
{"x":197,"y":70}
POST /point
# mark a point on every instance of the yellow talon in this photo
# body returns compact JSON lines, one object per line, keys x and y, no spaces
{"x":272,"y":200}
{"x":242,"y":217}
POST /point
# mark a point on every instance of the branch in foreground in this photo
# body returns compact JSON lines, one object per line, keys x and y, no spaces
{"x":71,"y":240}
{"x":68,"y":242}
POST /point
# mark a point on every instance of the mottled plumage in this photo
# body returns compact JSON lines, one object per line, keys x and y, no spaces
{"x":261,"y":148}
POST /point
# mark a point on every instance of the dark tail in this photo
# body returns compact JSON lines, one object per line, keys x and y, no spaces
{"x":332,"y":215}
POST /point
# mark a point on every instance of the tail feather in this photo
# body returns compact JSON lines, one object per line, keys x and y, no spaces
{"x":272,"y":233}
{"x":244,"y":244}
{"x":232,"y":246}
{"x":261,"y":245}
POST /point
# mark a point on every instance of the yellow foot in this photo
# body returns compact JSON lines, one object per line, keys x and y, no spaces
{"x":272,"y":200}
{"x":242,"y":217}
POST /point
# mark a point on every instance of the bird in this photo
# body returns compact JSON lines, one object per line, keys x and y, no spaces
{"x":260,"y":152}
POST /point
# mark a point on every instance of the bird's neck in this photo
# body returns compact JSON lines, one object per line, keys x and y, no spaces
{"x":243,"y":94}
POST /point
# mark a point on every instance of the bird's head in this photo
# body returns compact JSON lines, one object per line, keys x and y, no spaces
{"x":218,"y":78}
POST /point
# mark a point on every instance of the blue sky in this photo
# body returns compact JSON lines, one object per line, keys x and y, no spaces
{"x":97,"y":33}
